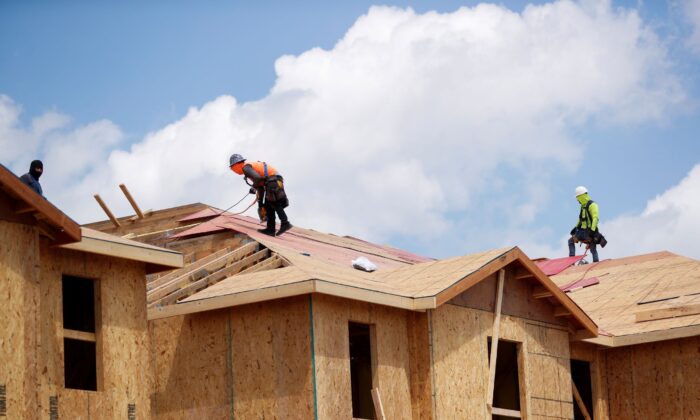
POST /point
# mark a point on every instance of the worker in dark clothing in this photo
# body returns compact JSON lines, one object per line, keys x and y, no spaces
{"x":269,"y":185}
{"x":31,"y":178}
{"x":586,"y":230}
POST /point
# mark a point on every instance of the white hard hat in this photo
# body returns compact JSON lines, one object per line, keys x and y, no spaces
{"x":581,"y":190}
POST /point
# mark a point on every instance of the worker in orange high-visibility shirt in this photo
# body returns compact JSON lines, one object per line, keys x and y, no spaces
{"x":269,"y":185}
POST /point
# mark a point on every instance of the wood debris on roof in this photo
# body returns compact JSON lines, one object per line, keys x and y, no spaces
{"x":653,"y":295}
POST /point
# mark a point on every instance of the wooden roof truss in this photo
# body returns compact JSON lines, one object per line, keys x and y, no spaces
{"x":180,"y":284}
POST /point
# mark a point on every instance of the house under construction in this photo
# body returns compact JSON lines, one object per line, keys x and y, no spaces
{"x":255,"y":326}
{"x":189,"y":312}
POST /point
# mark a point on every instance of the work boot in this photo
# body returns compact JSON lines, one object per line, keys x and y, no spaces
{"x":285,"y":226}
{"x":268,"y":232}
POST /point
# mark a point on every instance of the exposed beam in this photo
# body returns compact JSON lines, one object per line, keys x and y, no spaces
{"x":107,"y":211}
{"x":145,"y":214}
{"x":506,"y":413}
{"x":187,"y":270}
{"x":540,"y":292}
{"x":579,"y":402}
{"x":378,"y":406}
{"x":128,"y":196}
{"x":561,"y":311}
{"x":269,"y":264}
{"x":24,"y":208}
{"x":212,"y":278}
{"x":157,"y":293}
{"x":494,"y":336}
{"x":523,"y":273}
{"x":79,"y":335}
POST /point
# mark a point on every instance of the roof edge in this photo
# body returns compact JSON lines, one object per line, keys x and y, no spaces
{"x":568,"y":303}
{"x":157,"y":259}
{"x":69,"y":231}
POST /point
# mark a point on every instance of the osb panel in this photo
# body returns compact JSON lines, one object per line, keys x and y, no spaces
{"x":658,"y":379}
{"x":331,"y":316}
{"x":191,"y":366}
{"x":419,"y":360}
{"x":626,"y":282}
{"x":252,"y":361}
{"x":124,"y":374}
{"x":517,"y":299}
{"x":271,"y":348}
{"x":19,"y":300}
{"x":461,"y":363}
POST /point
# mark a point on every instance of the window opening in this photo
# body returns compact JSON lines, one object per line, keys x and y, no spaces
{"x":581,"y":377}
{"x":79,"y":341}
{"x":506,"y":386}
{"x":361,"y":370}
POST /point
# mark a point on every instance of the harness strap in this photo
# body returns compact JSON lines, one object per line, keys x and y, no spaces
{"x":265,"y":169}
{"x":588,"y":219}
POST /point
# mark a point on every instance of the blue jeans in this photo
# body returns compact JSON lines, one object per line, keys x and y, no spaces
{"x":591,"y":246}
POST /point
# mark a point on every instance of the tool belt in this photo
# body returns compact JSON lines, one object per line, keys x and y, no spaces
{"x":274,"y":191}
{"x":589,"y":237}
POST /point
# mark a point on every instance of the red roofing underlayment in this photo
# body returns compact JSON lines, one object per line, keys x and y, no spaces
{"x":579,"y":284}
{"x":304,"y":241}
{"x":557,"y":265}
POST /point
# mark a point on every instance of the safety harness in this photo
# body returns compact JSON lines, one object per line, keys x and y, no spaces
{"x":587,"y":219}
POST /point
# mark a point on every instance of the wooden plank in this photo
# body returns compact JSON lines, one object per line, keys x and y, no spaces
{"x":212,"y":278}
{"x":210,"y":266}
{"x":540,"y":292}
{"x":579,"y":402}
{"x":107,"y":211}
{"x":159,"y":259}
{"x":378,"y":407}
{"x":561,"y":311}
{"x":269,"y":264}
{"x":523,"y":273}
{"x":507,"y":413}
{"x":135,"y":206}
{"x":664,"y":313}
{"x":158,"y":220}
{"x":79,"y":335}
{"x":187,"y":270}
{"x":494,"y":337}
{"x":24,"y":208}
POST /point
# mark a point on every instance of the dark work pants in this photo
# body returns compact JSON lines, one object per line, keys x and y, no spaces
{"x":271,"y":209}
{"x":592,"y":247}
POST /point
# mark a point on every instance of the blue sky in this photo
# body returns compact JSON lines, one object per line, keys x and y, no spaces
{"x":141,"y":67}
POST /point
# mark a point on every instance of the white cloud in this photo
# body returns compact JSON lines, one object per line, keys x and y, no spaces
{"x":669,"y":222}
{"x":691,"y":9}
{"x":409,"y":122}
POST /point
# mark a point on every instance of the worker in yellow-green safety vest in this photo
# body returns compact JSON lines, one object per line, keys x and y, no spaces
{"x":586,"y":230}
